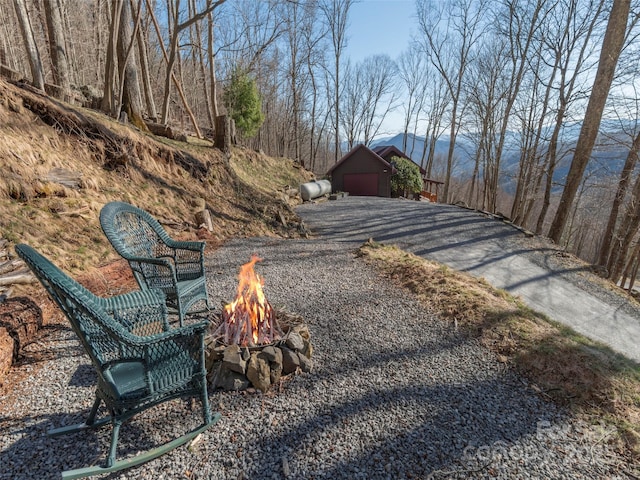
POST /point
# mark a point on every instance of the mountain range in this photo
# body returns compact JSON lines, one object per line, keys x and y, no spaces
{"x":607,"y":158}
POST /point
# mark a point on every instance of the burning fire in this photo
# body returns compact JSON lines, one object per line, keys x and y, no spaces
{"x":249,"y":320}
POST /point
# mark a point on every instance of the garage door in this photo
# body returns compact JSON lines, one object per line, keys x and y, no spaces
{"x":361,"y":184}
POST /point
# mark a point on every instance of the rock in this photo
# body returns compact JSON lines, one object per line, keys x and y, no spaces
{"x":305,"y":363}
{"x":274,"y":356}
{"x":258,"y":372}
{"x":303,"y":330}
{"x":233,"y":359}
{"x":275,"y":373}
{"x":271,"y":353}
{"x":295,"y":342}
{"x":290,"y":361}
{"x":204,"y":220}
{"x":212,"y":355}
{"x":229,"y":380}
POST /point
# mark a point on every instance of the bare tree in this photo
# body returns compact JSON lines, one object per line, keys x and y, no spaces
{"x":450,"y":33}
{"x":152,"y":111}
{"x":523,"y":19}
{"x":611,"y":48}
{"x":111,"y":72}
{"x":129,"y":98}
{"x":487,"y":96}
{"x":336,"y":13}
{"x":57,"y":47}
{"x":628,"y":230}
{"x":568,"y":38}
{"x":436,"y":104}
{"x":35,"y":62}
{"x":412,"y":73}
{"x":178,"y":27}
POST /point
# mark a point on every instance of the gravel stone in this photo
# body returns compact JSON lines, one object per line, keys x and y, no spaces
{"x":395,"y":393}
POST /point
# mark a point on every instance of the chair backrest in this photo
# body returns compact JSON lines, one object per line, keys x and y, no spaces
{"x":93,"y":325}
{"x":133,"y":232}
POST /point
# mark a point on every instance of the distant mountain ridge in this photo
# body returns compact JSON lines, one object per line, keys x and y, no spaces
{"x":608,"y":155}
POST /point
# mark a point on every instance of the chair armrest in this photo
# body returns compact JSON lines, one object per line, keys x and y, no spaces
{"x":194,"y":246}
{"x":140,"y":312}
{"x":190,"y":330}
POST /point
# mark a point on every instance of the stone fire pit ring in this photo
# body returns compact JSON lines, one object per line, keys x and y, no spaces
{"x":235,"y":367}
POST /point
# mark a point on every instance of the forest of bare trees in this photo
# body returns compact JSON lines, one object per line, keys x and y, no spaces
{"x":541,"y":94}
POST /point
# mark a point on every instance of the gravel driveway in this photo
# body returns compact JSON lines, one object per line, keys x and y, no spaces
{"x":395,"y":393}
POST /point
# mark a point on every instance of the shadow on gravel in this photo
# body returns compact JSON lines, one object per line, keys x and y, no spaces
{"x":42,"y":349}
{"x":84,"y":376}
{"x":462,"y":419}
{"x":37,"y":456}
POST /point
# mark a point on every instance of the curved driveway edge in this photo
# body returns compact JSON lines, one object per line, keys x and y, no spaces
{"x":471,"y":242}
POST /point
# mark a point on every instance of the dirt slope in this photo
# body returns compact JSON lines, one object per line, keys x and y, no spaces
{"x":61,"y":164}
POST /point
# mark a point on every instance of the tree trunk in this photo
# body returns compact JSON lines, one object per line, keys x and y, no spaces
{"x":152,"y":111}
{"x":194,"y":123}
{"x":35,"y":63}
{"x":57,"y":48}
{"x":611,"y":48}
{"x":131,"y":102}
{"x":627,"y":231}
{"x":623,"y":185}
{"x":110,"y":75}
{"x":212,"y":70}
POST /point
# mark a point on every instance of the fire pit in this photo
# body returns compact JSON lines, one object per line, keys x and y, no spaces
{"x":253,"y":344}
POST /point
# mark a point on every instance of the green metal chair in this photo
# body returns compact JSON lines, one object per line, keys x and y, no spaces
{"x":157,"y":261}
{"x":140,"y":361}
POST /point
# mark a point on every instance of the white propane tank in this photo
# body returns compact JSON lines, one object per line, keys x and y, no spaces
{"x":311,"y":190}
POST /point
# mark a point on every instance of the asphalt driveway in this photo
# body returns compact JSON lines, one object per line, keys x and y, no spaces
{"x":472,"y":242}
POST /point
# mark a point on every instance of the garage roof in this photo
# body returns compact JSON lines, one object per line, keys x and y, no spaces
{"x":373,"y":155}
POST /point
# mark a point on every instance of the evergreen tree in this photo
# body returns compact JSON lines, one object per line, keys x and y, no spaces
{"x":242,"y":100}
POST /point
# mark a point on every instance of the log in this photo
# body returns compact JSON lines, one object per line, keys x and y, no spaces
{"x":20,"y":277}
{"x":6,"y":294}
{"x":77,"y":213}
{"x":161,"y":130}
{"x":7,"y":353}
{"x":282,"y":219}
{"x":22,"y":318}
{"x":64,"y":177}
{"x":10,"y":266}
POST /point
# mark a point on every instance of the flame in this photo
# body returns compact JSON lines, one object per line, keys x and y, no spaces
{"x":249,"y":320}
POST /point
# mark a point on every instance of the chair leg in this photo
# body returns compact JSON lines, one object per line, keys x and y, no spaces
{"x":89,"y":423}
{"x":114,"y":443}
{"x":180,"y":312}
{"x":206,"y":410}
{"x":94,"y":411}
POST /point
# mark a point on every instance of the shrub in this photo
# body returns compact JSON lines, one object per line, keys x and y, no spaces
{"x":407,"y":179}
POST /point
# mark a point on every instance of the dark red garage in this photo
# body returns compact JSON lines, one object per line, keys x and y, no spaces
{"x":362,"y":172}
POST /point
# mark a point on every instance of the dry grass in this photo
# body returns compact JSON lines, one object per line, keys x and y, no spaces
{"x":172,"y":180}
{"x":563,"y":366}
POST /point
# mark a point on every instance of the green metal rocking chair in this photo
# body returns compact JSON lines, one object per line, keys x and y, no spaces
{"x":157,"y":261}
{"x":140,"y":361}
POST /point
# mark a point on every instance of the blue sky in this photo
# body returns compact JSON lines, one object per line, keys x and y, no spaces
{"x":380,"y":26}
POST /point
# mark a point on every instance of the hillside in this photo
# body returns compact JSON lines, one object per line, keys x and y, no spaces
{"x":61,"y":164}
